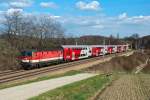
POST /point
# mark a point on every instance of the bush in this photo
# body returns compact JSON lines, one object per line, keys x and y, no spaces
{"x":8,"y":56}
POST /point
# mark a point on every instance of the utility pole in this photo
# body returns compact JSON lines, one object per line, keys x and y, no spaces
{"x":109,"y":41}
{"x":118,"y":36}
{"x":104,"y":42}
{"x":76,"y":42}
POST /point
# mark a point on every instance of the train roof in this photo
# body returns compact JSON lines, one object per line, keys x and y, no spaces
{"x":74,"y":46}
{"x":83,"y":46}
{"x":97,"y":45}
{"x":41,"y":50}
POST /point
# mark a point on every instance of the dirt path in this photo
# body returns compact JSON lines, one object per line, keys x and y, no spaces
{"x":23,"y":92}
{"x":128,"y":87}
{"x":142,"y":66}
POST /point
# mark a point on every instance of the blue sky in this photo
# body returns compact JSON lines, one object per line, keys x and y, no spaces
{"x":89,"y":17}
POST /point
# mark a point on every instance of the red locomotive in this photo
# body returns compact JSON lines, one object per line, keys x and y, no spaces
{"x":30,"y":59}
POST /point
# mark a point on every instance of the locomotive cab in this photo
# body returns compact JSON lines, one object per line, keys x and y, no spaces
{"x":25,"y":58}
{"x":26,"y":53}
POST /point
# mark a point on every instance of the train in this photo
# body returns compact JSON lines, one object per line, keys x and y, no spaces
{"x":36,"y":59}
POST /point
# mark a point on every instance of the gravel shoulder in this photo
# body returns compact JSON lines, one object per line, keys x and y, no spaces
{"x":24,"y":92}
{"x":128,"y":87}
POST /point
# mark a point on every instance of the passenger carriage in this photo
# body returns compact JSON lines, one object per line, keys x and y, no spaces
{"x":97,"y":50}
{"x":75,"y":52}
{"x":110,"y":49}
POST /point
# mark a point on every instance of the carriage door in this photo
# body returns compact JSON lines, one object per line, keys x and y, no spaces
{"x":89,"y":51}
{"x":73,"y":55}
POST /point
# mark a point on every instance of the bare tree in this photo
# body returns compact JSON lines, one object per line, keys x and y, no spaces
{"x":12,"y":26}
{"x":136,"y":40}
{"x":26,"y":32}
{"x":48,"y":30}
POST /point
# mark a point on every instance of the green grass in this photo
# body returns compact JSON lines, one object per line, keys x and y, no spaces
{"x":73,"y":72}
{"x":81,"y":90}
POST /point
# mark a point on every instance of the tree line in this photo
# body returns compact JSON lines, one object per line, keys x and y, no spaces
{"x":31,"y":32}
{"x":43,"y":32}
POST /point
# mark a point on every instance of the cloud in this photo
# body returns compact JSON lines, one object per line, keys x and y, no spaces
{"x":13,"y":10}
{"x":20,"y":4}
{"x":9,"y":12}
{"x":123,"y":16}
{"x":106,"y":25}
{"x":48,"y":5}
{"x":98,"y":26}
{"x":134,"y":19}
{"x":38,"y":15}
{"x":54,"y":17}
{"x":1,"y":16}
{"x":2,"y":12}
{"x":8,"y":1}
{"x":12,"y":0}
{"x":16,"y":3}
{"x":94,"y":5}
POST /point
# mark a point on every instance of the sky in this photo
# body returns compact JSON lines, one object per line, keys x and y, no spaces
{"x":89,"y":17}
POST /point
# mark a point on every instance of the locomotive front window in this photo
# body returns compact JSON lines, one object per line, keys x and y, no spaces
{"x":26,"y":53}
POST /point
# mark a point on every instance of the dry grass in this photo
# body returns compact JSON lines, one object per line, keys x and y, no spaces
{"x":7,"y":56}
{"x":147,"y":68}
{"x":124,"y":63}
{"x":128,"y":87}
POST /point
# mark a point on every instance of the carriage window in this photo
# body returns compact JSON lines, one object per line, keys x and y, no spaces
{"x":82,"y":54}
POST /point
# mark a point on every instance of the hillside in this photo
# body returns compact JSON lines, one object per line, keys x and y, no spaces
{"x":93,"y":40}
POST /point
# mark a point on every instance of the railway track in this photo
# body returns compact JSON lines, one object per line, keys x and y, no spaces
{"x":23,"y":74}
{"x":9,"y":76}
{"x":10,"y":72}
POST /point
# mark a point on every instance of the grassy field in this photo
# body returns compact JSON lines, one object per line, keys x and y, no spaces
{"x":82,"y":90}
{"x":73,"y":72}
